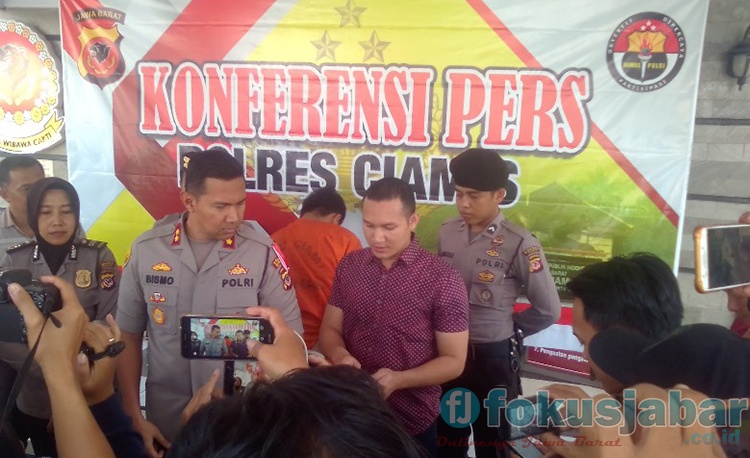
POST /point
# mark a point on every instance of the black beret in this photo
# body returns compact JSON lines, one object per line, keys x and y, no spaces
{"x":480,"y":169}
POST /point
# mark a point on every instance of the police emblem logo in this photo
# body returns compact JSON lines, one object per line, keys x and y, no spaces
{"x":161,"y":267}
{"x":485,"y":295}
{"x":535,"y":265}
{"x":83,"y":278}
{"x":157,"y":297}
{"x":29,"y":90}
{"x":492,"y":228}
{"x":493,"y":253}
{"x":100,"y":60}
{"x":498,"y":240}
{"x":286,"y":279}
{"x":486,"y":276}
{"x":158,"y":314}
{"x":238,"y":269}
{"x":646,"y":51}
{"x":107,"y":280}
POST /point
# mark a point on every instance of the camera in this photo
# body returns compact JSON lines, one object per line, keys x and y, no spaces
{"x":45,"y":297}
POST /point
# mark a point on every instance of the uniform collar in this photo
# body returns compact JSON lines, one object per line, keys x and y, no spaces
{"x":179,"y":236}
{"x":36,"y":254}
{"x":491,"y":230}
{"x":6,"y":219}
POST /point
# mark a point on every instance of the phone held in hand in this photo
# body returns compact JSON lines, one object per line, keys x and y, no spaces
{"x":222,"y":337}
{"x":722,"y":257}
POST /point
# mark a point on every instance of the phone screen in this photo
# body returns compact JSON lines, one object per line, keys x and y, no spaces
{"x":529,"y":411}
{"x":728,"y":256}
{"x":214,"y":337}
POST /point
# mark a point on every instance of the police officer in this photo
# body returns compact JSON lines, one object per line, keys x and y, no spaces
{"x":206,"y":263}
{"x":53,"y":210}
{"x":496,"y":259}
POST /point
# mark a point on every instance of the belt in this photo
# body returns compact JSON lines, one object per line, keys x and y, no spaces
{"x":490,"y":349}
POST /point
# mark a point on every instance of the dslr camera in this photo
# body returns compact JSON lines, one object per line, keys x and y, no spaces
{"x":46,"y":298}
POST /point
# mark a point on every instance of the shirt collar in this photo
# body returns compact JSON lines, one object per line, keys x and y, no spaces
{"x":6,"y":219}
{"x":407,"y":256}
{"x":491,"y":230}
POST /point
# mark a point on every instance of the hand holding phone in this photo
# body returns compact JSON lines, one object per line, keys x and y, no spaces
{"x":222,"y":337}
{"x":722,"y":257}
{"x":287,"y":352}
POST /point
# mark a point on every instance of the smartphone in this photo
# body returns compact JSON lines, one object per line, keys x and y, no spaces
{"x":722,"y":257}
{"x":530,"y":411}
{"x":222,"y":337}
{"x":525,"y":448}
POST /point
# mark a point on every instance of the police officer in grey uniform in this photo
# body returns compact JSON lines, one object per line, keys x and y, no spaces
{"x":497,"y":259}
{"x":206,"y":263}
{"x":56,"y":250}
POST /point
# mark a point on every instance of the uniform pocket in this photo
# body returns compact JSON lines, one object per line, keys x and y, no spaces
{"x":487,"y":286}
{"x":162,"y":309}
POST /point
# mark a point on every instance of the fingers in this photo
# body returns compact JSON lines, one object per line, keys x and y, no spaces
{"x":745,"y":218}
{"x":67,"y":293}
{"x":209,"y":387}
{"x":272,"y":315}
{"x":24,"y":303}
{"x":116,"y":333}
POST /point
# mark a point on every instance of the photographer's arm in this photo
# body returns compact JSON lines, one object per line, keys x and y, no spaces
{"x":56,"y":354}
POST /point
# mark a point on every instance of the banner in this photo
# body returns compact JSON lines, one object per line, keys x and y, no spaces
{"x":592,"y":108}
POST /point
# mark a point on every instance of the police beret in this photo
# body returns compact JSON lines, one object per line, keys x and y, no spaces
{"x":480,"y":169}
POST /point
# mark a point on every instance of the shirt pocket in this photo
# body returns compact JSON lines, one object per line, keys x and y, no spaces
{"x":487,"y":283}
{"x":161,"y":304}
{"x":236,"y":293}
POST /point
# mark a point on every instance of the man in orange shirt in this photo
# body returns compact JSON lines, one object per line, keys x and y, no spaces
{"x":313,"y":246}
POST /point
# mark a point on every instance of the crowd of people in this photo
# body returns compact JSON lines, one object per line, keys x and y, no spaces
{"x":396,"y":326}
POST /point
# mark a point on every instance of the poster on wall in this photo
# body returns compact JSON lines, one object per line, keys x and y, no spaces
{"x":592,"y":109}
{"x":30,"y":98}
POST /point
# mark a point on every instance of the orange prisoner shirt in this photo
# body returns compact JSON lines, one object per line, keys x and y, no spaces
{"x":313,"y":250}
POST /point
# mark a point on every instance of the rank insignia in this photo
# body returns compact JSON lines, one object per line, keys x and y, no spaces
{"x":485,"y":295}
{"x":498,"y":240}
{"x":157,"y":297}
{"x":492,"y":252}
{"x":237,"y":270}
{"x":177,"y":234}
{"x":486,"y":276}
{"x":279,"y":257}
{"x":158,"y":315}
{"x":276,"y":263}
{"x":107,"y":280}
{"x":492,"y":228}
{"x":162,"y":267}
{"x":83,"y":278}
{"x":229,"y":243}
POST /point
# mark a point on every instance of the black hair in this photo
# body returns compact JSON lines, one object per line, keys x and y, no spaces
{"x":216,"y":326}
{"x":323,"y":412}
{"x":324,"y":201}
{"x":392,"y":188}
{"x":637,"y":292}
{"x":213,"y":163}
{"x":11,"y":163}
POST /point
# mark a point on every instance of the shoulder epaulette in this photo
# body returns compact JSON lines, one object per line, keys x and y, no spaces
{"x":96,"y":244}
{"x":25,"y":244}
{"x":247,"y":231}
{"x":455,"y":219}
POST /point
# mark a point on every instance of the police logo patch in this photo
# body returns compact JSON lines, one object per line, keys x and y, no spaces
{"x":535,"y":262}
{"x":528,"y":251}
{"x":108,"y":264}
{"x":498,"y":240}
{"x":107,"y":280}
{"x":161,"y":267}
{"x":83,"y":278}
{"x":238,"y":269}
{"x":157,"y":297}
{"x":158,"y":315}
{"x":492,"y":253}
{"x":485,"y":295}
{"x":286,"y":279}
{"x":486,"y":276}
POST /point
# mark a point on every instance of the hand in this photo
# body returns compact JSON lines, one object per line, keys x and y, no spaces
{"x":58,"y":346}
{"x":152,"y":437}
{"x":287,"y":352}
{"x":346,"y":359}
{"x":388,"y":380}
{"x":649,"y":442}
{"x":97,"y":378}
{"x":203,"y":396}
{"x":316,"y":359}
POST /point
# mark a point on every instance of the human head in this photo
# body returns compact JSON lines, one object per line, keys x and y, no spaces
{"x":214,"y":195}
{"x":239,"y":336}
{"x":17,"y":174}
{"x":54,"y":210}
{"x":637,"y":292}
{"x":328,"y":412}
{"x":215,"y":331}
{"x":389,"y":218}
{"x":193,"y":336}
{"x":325,"y":203}
{"x":479,"y":177}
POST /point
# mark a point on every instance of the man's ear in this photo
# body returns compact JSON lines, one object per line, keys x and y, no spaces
{"x":500,"y":195}
{"x":337,"y":219}
{"x":413,"y":221}
{"x":188,"y":200}
{"x":4,"y":193}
